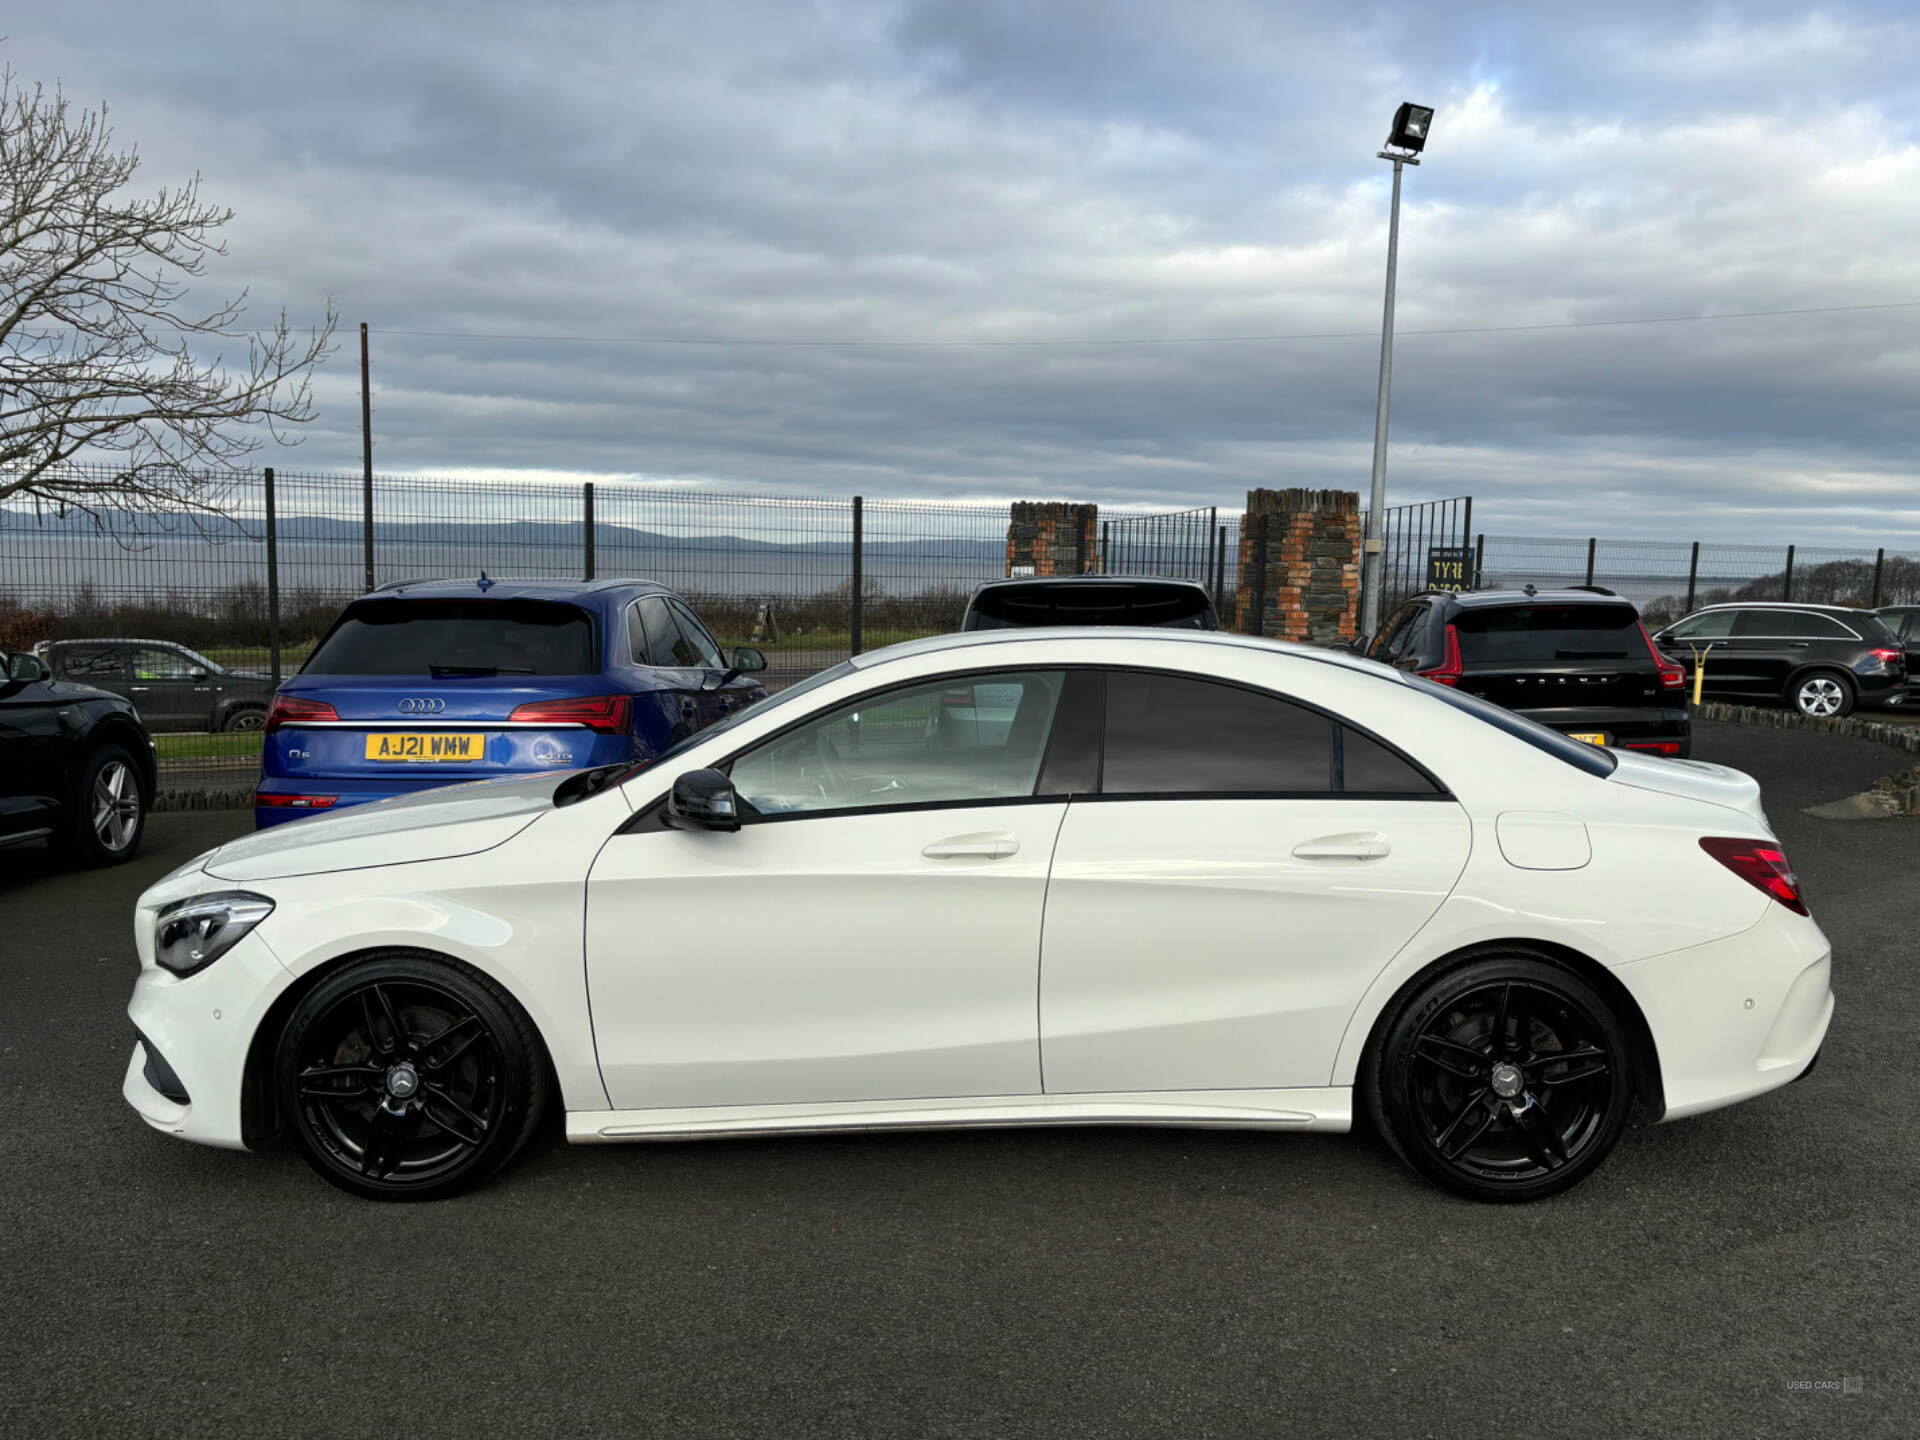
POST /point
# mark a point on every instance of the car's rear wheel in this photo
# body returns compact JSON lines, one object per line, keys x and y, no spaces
{"x":107,"y":810}
{"x":403,"y":1077}
{"x":1824,"y":695}
{"x":247,"y":717}
{"x":1506,"y":1079}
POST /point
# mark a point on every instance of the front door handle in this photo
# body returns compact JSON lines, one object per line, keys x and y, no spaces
{"x":983,"y":845}
{"x":1367,"y":846}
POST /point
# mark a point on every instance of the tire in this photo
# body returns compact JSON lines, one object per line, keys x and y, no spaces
{"x":1458,"y":1089}
{"x":419,"y":1110}
{"x":1822,"y":694}
{"x":106,"y":810}
{"x":244,"y":717}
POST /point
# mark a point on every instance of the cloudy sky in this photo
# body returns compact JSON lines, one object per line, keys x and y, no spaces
{"x":1032,"y":174}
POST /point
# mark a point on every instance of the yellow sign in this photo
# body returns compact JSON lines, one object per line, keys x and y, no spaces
{"x":429,"y":746}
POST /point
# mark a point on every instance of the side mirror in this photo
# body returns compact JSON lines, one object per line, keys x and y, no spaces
{"x":703,"y":800}
{"x":196,"y":673}
{"x":746,"y":658}
{"x":24,"y":669}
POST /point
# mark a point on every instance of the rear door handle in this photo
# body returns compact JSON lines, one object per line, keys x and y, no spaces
{"x":1368,"y":846}
{"x":983,"y":845}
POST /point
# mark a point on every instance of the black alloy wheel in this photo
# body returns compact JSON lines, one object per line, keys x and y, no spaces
{"x":1506,"y":1079}
{"x":408,"y":1078}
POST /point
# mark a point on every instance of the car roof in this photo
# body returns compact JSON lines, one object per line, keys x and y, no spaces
{"x":1783,"y":605}
{"x":508,"y":587}
{"x":1084,"y":636}
{"x":1491,"y":599}
{"x":1044,"y":581}
{"x":118,"y":640}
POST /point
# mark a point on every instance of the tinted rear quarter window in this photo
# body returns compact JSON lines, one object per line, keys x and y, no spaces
{"x":412,"y":637}
{"x":1542,"y":634}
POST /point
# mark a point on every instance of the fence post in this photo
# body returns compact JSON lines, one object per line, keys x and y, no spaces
{"x":853,"y":617}
{"x":1693,"y":575}
{"x":1592,"y":541}
{"x":1466,"y":521}
{"x":1106,"y":547}
{"x":1219,"y":568}
{"x":1479,"y":559}
{"x":273,"y":586}
{"x":1079,"y":513}
{"x":366,"y":459}
{"x":586,"y":558}
{"x":1879,"y":568}
{"x":1786,"y":584}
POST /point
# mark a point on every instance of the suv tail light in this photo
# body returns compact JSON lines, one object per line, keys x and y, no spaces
{"x":608,"y":713}
{"x":1887,"y":657}
{"x":291,"y":710}
{"x":292,"y":802}
{"x":1449,"y":670}
{"x":1762,"y":865}
{"x":1673,"y":675}
{"x":1658,"y":747}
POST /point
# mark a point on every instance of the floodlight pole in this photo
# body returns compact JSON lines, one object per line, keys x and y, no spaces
{"x":1375,"y":560}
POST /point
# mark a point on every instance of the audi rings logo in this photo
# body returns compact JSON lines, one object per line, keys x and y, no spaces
{"x":421,"y":705}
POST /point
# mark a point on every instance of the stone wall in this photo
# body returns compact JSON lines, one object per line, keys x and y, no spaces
{"x":1053,"y":537}
{"x":1300,"y":565}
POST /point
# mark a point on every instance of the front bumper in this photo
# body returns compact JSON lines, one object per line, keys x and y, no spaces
{"x":201,"y":1028}
{"x":1737,"y":1017}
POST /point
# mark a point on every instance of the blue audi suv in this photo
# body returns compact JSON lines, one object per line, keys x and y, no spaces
{"x":432,"y":682}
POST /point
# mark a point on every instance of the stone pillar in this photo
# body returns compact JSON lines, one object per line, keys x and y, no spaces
{"x":1300,"y":565}
{"x":1053,"y":537}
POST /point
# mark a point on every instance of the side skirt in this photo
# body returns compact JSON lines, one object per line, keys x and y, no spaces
{"x":1323,"y":1110}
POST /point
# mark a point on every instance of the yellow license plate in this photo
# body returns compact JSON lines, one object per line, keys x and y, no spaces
{"x":432,"y":747}
{"x":1592,"y":737}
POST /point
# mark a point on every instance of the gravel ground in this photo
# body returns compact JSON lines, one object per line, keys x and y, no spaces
{"x":1723,"y":1275}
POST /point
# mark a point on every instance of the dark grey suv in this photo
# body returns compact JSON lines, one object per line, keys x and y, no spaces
{"x":1823,"y":660}
{"x":172,"y":687}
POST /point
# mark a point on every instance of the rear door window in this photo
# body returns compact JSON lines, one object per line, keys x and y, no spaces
{"x":454,"y":637}
{"x":91,"y":662}
{"x":1175,"y":735}
{"x":1545,"y":634}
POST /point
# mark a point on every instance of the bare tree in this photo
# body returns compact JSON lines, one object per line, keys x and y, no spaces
{"x":101,"y":351}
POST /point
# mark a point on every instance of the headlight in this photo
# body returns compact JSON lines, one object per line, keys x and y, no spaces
{"x":190,"y":935}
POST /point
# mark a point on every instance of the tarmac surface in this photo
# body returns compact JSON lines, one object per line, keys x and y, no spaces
{"x":1730,"y":1274}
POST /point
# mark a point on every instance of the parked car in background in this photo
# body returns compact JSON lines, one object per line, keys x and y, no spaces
{"x":435,"y":682}
{"x":1578,"y":661}
{"x":1904,"y":622}
{"x":76,"y":765}
{"x":172,"y":687}
{"x":1091,"y":600}
{"x":1823,"y":660}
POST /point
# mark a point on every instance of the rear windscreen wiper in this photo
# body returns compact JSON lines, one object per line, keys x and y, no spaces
{"x":440,"y":672}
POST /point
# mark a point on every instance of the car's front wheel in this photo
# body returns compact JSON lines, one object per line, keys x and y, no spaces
{"x":107,"y":811}
{"x":404,"y":1077}
{"x":1822,"y":695}
{"x":1506,"y":1079}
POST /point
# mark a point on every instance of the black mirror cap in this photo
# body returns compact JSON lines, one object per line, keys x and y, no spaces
{"x":703,"y":800}
{"x":746,"y":658}
{"x":24,"y":668}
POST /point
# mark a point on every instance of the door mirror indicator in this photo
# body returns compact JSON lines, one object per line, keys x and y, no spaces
{"x":703,"y":800}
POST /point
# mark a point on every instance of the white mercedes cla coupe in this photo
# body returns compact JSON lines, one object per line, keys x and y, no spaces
{"x":1180,"y":879}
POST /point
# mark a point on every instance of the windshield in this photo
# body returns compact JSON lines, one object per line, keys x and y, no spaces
{"x":454,"y":637}
{"x":1080,"y":602}
{"x":1531,"y":634}
{"x":1577,"y":753}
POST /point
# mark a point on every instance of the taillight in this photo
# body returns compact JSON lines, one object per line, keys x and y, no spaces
{"x":1887,"y":657}
{"x":1673,"y":675}
{"x":610,"y":713}
{"x":1449,"y":670}
{"x":291,"y":710}
{"x":1657,"y":747}
{"x":1762,"y":865}
{"x":293,"y":802}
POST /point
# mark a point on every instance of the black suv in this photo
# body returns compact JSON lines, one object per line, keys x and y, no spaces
{"x":1904,"y":621}
{"x":1821,"y":659}
{"x":76,"y":768}
{"x":1090,"y":600}
{"x":1578,"y":661}
{"x":172,"y":687}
